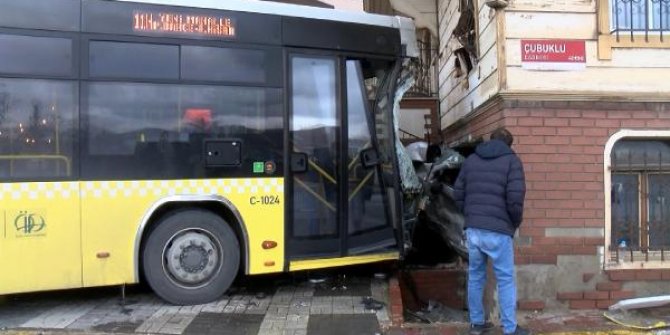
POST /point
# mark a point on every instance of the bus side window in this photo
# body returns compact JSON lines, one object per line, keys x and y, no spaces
{"x":37,"y":129}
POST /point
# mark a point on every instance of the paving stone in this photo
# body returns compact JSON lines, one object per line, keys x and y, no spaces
{"x":154,"y":323}
{"x":295,"y":332}
{"x":343,"y":324}
{"x":321,"y":309}
{"x":276,"y":325}
{"x":112,"y":315}
{"x":343,"y":305}
{"x":60,"y":317}
{"x":230,"y":308}
{"x":15,"y":316}
{"x":258,"y":306}
{"x":379,"y":292}
{"x":191,"y":309}
{"x":360,"y":309}
{"x":294,"y":322}
{"x":354,"y":287}
{"x":298,"y":311}
{"x":281,"y":299}
{"x":216,"y":306}
{"x":271,"y":332}
{"x":241,"y":307}
{"x":224,"y":324}
{"x":304,"y":292}
{"x":322,"y":300}
{"x":117,"y":327}
{"x":277,"y":310}
{"x":177,"y":324}
{"x":288,"y":311}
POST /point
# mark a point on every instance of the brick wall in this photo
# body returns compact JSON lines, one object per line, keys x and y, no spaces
{"x":562,"y":147}
{"x":446,"y":286}
{"x":612,"y":289}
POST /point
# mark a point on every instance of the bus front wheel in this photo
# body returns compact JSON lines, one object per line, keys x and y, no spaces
{"x":191,"y":257}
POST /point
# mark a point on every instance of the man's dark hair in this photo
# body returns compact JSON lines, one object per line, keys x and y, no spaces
{"x":502,"y":134}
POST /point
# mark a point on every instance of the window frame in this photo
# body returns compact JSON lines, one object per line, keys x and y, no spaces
{"x":609,"y":254}
{"x":608,"y":39}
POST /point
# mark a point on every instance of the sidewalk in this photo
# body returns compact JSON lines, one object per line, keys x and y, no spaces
{"x":585,"y":322}
{"x":265,"y":306}
{"x":277,"y":305}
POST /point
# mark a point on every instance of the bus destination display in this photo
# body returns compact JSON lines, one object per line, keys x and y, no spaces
{"x":183,"y":24}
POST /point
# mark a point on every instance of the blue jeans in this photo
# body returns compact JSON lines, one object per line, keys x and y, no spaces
{"x":482,"y":245}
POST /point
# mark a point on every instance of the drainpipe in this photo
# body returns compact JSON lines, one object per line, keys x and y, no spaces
{"x":436,"y":70}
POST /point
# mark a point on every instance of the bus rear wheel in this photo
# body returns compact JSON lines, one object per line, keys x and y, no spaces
{"x":191,"y":257}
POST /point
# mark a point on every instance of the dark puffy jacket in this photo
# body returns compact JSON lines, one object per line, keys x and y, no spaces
{"x":491,"y":187}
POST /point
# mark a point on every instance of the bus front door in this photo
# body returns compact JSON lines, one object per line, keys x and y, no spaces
{"x":337,"y":204}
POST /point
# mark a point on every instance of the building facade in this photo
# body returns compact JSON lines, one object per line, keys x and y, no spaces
{"x":419,"y":109}
{"x":584,"y":87}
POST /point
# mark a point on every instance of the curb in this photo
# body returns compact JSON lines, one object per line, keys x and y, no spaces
{"x":395,"y":299}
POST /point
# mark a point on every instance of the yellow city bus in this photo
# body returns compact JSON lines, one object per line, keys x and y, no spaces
{"x":186,"y":142}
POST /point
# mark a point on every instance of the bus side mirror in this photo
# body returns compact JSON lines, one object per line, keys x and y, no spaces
{"x":370,"y":158}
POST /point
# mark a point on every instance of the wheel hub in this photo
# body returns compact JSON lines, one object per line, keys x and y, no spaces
{"x":192,"y":258}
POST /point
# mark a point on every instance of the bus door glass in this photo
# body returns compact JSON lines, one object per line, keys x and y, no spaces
{"x":368,"y":161}
{"x":338,"y":161}
{"x":314,"y":141}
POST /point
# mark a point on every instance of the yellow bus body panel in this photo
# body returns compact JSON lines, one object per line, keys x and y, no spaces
{"x":60,"y":235}
{"x":40,"y":237}
{"x":113,"y":211}
{"x":80,"y":234}
{"x":342,"y":261}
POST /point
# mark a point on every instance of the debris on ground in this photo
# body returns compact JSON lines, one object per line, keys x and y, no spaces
{"x":436,"y":312}
{"x":647,"y":302}
{"x":649,"y":318}
{"x":372,"y":304}
{"x":340,"y":283}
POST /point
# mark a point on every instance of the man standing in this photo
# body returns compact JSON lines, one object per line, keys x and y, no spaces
{"x":490,"y":190}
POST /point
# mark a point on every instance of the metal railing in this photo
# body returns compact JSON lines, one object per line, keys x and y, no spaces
{"x":66,"y":164}
{"x":423,"y":71}
{"x":407,"y":136}
{"x":637,"y":17}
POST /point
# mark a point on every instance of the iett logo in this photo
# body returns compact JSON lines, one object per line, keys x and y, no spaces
{"x":29,"y":224}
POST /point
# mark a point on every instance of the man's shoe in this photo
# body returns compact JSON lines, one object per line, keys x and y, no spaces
{"x":481,"y":329}
{"x":520,"y":331}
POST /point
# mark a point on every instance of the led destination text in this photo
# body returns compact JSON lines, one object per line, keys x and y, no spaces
{"x":183,"y":24}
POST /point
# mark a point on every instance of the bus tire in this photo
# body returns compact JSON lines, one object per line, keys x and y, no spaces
{"x":191,"y":257}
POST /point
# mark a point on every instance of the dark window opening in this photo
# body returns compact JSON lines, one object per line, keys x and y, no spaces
{"x":466,"y":34}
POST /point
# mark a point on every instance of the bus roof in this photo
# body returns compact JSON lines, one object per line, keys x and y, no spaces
{"x":405,"y":25}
